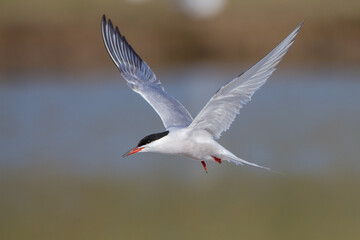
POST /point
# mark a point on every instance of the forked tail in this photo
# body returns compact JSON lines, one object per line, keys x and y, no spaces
{"x":232,"y":158}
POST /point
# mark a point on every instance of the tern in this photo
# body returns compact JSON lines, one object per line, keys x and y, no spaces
{"x":185,"y":136}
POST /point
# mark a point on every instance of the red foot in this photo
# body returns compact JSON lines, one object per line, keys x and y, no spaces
{"x":217,"y":159}
{"x":204,"y":165}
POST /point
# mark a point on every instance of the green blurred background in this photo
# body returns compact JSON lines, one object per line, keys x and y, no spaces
{"x":51,"y":35}
{"x":66,"y":117}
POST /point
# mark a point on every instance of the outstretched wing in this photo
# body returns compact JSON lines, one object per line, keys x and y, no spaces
{"x":141,"y":79}
{"x":221,"y":110}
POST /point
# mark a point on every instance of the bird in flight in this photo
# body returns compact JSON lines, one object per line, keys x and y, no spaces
{"x":185,"y":136}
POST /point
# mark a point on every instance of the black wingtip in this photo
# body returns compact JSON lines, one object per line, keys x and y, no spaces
{"x":108,"y":21}
{"x":110,"y":24}
{"x":117,"y":31}
{"x":302,"y":23}
{"x":103,"y":27}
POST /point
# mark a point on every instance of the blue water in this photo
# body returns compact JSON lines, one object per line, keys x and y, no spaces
{"x":298,"y":123}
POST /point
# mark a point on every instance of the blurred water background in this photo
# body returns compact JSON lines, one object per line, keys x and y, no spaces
{"x":66,"y":117}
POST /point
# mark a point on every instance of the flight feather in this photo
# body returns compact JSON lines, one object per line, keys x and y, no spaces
{"x":141,"y":79}
{"x":219,"y":113}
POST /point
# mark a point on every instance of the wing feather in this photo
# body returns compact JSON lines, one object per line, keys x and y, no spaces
{"x":219,"y":113}
{"x":141,"y":79}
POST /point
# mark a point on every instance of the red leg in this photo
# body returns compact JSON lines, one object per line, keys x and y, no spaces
{"x":204,"y":165}
{"x":217,"y":159}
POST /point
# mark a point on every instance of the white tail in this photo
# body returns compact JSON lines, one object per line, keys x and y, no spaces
{"x":228,"y":156}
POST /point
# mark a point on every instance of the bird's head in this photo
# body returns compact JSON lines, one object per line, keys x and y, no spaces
{"x":146,"y":143}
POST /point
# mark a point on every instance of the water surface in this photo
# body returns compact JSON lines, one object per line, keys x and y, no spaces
{"x":299,"y":122}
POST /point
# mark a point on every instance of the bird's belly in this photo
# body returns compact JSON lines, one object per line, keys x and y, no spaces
{"x":198,"y":146}
{"x":194,"y":150}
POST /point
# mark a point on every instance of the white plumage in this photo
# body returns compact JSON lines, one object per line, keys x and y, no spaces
{"x":142,"y":80}
{"x":194,"y":139}
{"x":221,"y":110}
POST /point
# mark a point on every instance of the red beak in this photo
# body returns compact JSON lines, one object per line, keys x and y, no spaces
{"x":132,"y":151}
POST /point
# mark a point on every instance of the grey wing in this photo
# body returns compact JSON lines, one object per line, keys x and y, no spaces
{"x":219,"y":113}
{"x":141,"y":79}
